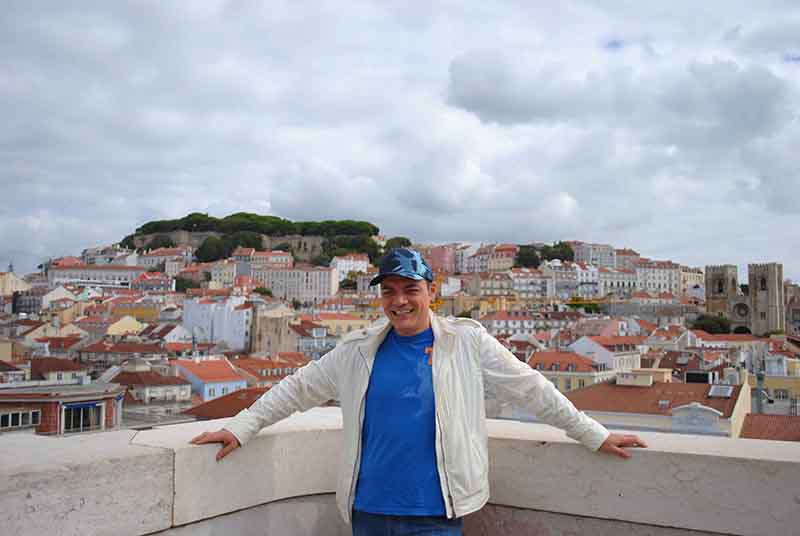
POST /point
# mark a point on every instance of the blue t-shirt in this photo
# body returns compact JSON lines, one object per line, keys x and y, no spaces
{"x":398,"y":474}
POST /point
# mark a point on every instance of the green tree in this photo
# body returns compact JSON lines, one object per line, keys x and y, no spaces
{"x":212,"y":249}
{"x":559,"y":250}
{"x":347,"y":284}
{"x":263,"y":291}
{"x":128,"y":242}
{"x":712,"y":324}
{"x":296,"y":304}
{"x":527,"y":257}
{"x":182,"y":284}
{"x":397,"y":242}
{"x":321,"y":260}
{"x":160,"y":241}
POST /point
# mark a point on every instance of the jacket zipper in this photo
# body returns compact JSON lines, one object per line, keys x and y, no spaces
{"x":441,"y":445}
{"x":357,"y":462}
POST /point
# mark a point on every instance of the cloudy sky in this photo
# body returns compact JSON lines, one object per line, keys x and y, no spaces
{"x":673,"y":130}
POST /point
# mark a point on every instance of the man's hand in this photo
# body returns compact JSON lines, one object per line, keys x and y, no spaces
{"x":614,"y":443}
{"x":228,"y":440}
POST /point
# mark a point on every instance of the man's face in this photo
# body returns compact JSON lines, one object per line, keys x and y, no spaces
{"x":406,"y":302}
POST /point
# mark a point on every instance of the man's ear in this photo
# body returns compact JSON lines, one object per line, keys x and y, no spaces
{"x":432,"y":288}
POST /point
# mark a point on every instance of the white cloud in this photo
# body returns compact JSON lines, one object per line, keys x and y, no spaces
{"x":460,"y":121}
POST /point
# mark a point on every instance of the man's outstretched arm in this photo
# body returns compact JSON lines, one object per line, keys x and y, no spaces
{"x":309,"y":387}
{"x":518,"y":382}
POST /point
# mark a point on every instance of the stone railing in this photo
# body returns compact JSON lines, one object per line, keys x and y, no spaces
{"x":154,"y":482}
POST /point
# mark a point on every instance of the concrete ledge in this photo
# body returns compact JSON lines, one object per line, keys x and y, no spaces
{"x":313,"y":515}
{"x":542,"y":483}
{"x":88,"y":484}
{"x":298,"y":456}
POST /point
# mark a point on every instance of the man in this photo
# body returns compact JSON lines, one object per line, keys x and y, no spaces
{"x":412,"y":396}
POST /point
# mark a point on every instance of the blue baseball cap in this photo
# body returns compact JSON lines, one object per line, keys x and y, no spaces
{"x":403,"y":262}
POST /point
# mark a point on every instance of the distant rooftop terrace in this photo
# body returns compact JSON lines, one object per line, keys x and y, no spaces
{"x":154,"y":482}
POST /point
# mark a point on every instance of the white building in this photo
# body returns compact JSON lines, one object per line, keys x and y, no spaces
{"x":619,"y":282}
{"x":180,"y":256}
{"x":588,"y":279}
{"x":597,"y":254}
{"x":223,"y":273}
{"x":658,"y":276}
{"x":463,"y":253}
{"x":307,"y":284}
{"x":564,"y":275}
{"x":94,"y":275}
{"x":532,"y":283}
{"x":352,"y":262}
{"x":220,"y":320}
{"x":615,"y":353}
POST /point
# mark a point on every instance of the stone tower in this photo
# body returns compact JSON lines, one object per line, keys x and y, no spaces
{"x":722,"y":288}
{"x":766,"y":298}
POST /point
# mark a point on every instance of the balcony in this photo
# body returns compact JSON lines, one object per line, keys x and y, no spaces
{"x":154,"y":482}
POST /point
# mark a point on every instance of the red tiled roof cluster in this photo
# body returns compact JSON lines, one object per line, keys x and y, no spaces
{"x":615,"y":398}
{"x":147,"y":378}
{"x":105,"y":347}
{"x":772,"y":427}
{"x":561,"y":360}
{"x":210,"y":370}
{"x":228,"y":405}
{"x":45,"y":365}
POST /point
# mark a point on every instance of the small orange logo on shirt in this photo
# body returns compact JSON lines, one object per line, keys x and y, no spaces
{"x":429,"y":351}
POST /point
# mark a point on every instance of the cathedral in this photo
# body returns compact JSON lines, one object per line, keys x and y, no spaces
{"x":757,"y":307}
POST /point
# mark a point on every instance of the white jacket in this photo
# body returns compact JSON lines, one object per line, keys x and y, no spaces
{"x":464,"y":357}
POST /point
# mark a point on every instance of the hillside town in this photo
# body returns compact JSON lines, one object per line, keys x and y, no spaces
{"x":131,"y":336}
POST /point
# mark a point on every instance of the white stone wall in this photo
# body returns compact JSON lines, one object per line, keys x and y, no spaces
{"x":142,"y":483}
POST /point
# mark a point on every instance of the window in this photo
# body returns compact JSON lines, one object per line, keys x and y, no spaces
{"x":82,"y":419}
{"x":581,"y":384}
{"x":59,"y":376}
{"x":781,"y":394}
{"x":212,"y":392}
{"x":763,"y":315}
{"x":568,"y":384}
{"x":224,"y":390}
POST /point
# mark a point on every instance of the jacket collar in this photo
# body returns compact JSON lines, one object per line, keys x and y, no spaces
{"x":372,"y":337}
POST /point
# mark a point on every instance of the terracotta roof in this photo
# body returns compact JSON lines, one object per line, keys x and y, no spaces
{"x":562,"y":360}
{"x":614,"y":341}
{"x":254,"y":366}
{"x":102,"y":267}
{"x":773,"y":427}
{"x":7,"y":367}
{"x":210,"y":370}
{"x":296,"y":358}
{"x":60,"y":343}
{"x":147,"y":378}
{"x":725,"y":337}
{"x":228,"y":405}
{"x":611,"y":397}
{"x":44,"y":365}
{"x":506,"y":315}
{"x":648,"y":327}
{"x":103,"y":347}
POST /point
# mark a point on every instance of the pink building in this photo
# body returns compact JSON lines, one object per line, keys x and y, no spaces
{"x":442,"y":258}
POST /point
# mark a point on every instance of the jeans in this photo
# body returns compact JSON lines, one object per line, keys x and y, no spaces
{"x":365,"y":524}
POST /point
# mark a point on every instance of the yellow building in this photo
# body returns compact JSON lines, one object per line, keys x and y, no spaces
{"x":340,"y":324}
{"x":569,"y":371}
{"x":142,"y":311}
{"x":125,"y":326}
{"x":10,"y":283}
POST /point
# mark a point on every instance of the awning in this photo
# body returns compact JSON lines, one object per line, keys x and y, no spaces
{"x":77,"y":405}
